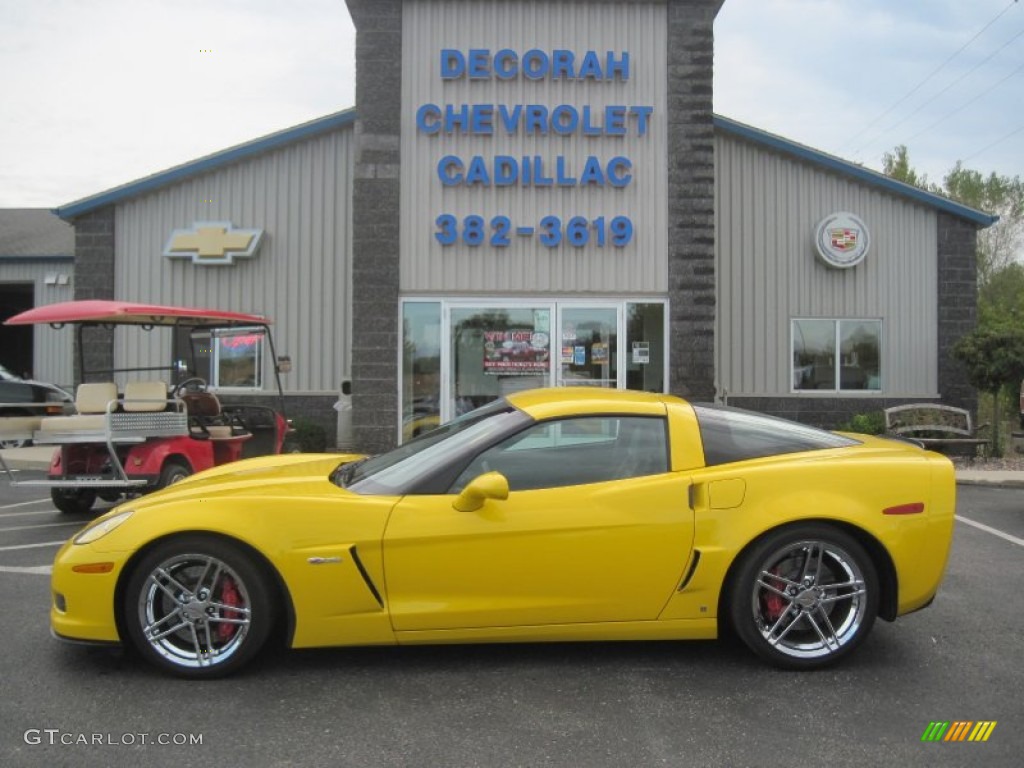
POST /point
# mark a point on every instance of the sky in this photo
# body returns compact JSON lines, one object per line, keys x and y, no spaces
{"x":104,"y":92}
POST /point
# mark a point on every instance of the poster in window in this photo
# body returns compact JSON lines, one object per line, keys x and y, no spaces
{"x":599,"y":352}
{"x":641,"y":352}
{"x":521,"y":352}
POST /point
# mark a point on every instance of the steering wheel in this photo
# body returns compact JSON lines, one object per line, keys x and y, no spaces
{"x":194,"y":384}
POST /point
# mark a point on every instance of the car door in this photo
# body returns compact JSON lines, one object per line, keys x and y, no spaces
{"x":595,"y":528}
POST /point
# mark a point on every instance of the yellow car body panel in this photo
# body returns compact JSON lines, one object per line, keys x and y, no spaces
{"x":606,"y":552}
{"x":917,"y":544}
{"x":639,"y":558}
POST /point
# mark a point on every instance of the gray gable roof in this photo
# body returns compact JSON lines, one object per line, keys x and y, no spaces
{"x":347,"y":119}
{"x":858,"y":172}
{"x":33,"y":233}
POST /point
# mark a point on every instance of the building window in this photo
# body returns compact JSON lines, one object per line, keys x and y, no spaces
{"x":421,"y":367}
{"x":230,"y":358}
{"x":836,"y":355}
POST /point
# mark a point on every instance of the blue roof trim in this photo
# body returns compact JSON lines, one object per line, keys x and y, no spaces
{"x":858,"y":172}
{"x":28,"y":257}
{"x":208,"y":163}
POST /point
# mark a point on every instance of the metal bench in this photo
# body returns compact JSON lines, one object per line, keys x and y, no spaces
{"x":943,"y":428}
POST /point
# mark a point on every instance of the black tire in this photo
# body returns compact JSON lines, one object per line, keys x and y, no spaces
{"x":73,"y":502}
{"x":804,"y":596}
{"x":172,"y":472}
{"x":195,"y":629}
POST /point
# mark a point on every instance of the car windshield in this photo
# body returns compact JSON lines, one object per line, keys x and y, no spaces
{"x":401,"y":470}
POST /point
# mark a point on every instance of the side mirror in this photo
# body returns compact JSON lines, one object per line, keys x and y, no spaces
{"x":490,"y":485}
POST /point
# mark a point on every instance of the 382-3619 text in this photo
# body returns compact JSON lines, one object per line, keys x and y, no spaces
{"x":499,"y":232}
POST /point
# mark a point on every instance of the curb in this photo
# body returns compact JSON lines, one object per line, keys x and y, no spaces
{"x":992,"y":482}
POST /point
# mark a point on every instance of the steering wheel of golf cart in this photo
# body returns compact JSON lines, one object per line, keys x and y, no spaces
{"x":194,"y":384}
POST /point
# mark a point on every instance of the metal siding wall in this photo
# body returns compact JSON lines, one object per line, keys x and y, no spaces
{"x":53,"y":347}
{"x":526,"y":266}
{"x":300,"y":276}
{"x":767,"y":209}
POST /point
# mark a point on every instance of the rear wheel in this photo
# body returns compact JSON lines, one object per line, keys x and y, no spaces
{"x":198,"y":607}
{"x":73,"y":501}
{"x":171,"y":473}
{"x":805,"y":596}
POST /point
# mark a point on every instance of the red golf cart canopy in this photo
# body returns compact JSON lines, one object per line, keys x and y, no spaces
{"x":101,"y":312}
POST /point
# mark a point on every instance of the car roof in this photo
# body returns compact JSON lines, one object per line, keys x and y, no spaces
{"x":556,"y":401}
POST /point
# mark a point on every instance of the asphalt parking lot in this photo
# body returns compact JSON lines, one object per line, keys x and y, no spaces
{"x":607,"y":704}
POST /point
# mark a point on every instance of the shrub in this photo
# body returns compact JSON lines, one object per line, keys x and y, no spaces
{"x":307,"y":437}
{"x":872,"y":423}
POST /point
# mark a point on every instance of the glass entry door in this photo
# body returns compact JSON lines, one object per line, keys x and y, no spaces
{"x":588,"y":345}
{"x":461,"y":354}
{"x":496,"y":351}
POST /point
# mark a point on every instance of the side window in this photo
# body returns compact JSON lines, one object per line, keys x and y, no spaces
{"x":591,"y":449}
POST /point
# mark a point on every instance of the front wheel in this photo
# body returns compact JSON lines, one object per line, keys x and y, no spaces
{"x":805,"y":596}
{"x":73,"y":502}
{"x":198,"y":607}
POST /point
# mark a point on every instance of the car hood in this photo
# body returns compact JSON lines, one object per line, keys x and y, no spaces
{"x":255,"y":476}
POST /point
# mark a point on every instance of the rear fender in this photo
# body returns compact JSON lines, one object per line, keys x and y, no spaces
{"x":149,"y":457}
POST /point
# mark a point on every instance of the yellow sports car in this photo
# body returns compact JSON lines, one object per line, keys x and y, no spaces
{"x":555,"y":514}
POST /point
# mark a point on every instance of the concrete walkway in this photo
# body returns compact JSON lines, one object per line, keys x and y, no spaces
{"x":38,"y":457}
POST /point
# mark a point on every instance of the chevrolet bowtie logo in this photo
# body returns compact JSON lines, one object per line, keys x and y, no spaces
{"x":213,"y":242}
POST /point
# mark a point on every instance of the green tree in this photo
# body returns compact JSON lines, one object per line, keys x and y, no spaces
{"x":994,"y":359}
{"x":1000,"y":245}
{"x":896,"y":165}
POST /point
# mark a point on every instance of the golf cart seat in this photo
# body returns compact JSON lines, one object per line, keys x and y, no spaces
{"x":145,"y":396}
{"x":92,"y":401}
{"x":207,"y":421}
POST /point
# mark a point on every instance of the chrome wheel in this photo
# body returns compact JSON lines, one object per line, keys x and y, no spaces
{"x":805,"y":597}
{"x":198,"y":610}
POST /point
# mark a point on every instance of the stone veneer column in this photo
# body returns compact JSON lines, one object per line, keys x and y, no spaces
{"x":691,"y":198}
{"x":958,"y":305}
{"x":94,"y":279}
{"x":375,"y":222}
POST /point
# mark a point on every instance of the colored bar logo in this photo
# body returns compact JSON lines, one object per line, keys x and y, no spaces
{"x":958,"y":730}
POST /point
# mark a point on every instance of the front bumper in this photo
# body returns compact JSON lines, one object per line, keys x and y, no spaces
{"x":82,"y":604}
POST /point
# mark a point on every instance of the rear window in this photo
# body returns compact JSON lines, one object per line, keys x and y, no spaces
{"x":732,"y":434}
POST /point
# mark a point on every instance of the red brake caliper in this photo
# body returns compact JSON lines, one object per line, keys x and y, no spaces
{"x":230,"y":597}
{"x":774,"y":605}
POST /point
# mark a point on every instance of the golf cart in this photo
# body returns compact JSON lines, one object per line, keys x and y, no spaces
{"x":139,"y":429}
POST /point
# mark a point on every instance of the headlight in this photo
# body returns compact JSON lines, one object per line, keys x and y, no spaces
{"x":102,"y":527}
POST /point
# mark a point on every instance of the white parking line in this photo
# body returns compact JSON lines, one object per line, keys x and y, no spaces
{"x":42,"y":570}
{"x":44,"y":525}
{"x":25,"y":504}
{"x":5,"y":515}
{"x":993,"y":531}
{"x":32,"y":546}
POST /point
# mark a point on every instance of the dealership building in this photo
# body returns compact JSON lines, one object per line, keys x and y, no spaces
{"x":539,"y":194}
